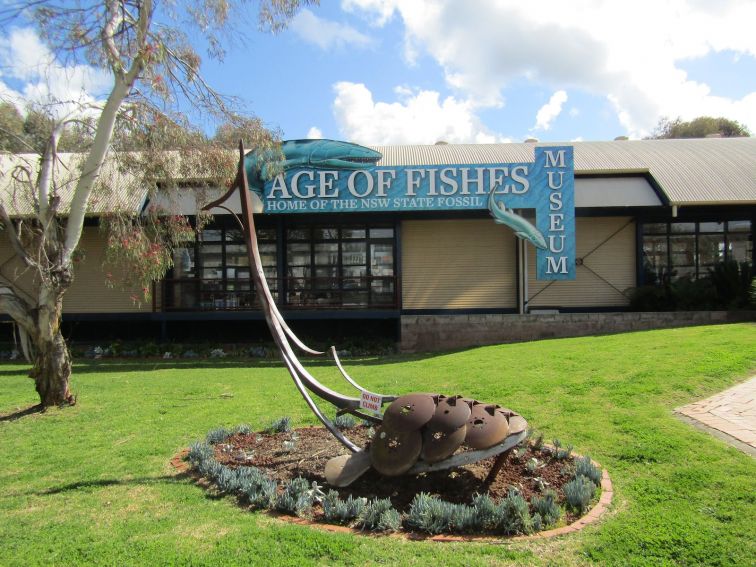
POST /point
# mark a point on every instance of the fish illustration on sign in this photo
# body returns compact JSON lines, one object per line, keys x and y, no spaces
{"x":316,"y":154}
{"x":521,"y":227}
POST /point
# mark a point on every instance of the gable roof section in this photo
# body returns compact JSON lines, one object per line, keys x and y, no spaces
{"x":116,"y":191}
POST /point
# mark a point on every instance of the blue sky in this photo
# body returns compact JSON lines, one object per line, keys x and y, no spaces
{"x":392,"y":72}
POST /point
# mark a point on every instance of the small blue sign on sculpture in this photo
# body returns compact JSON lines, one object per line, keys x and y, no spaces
{"x":321,"y":176}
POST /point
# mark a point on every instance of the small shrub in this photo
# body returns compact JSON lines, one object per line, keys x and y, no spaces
{"x":538,"y":441}
{"x":540,"y":483}
{"x":390,"y":521}
{"x":218,"y":435}
{"x":434,"y":516}
{"x":375,"y":514}
{"x":546,"y":511}
{"x":199,"y":452}
{"x":227,"y":480}
{"x":297,"y":498}
{"x":281,"y":425}
{"x":651,"y":298}
{"x":578,"y":493}
{"x":563,"y":454}
{"x":341,"y":511}
{"x":731,"y":281}
{"x":242,"y":429}
{"x":262,"y":494}
{"x":423,"y":514}
{"x":532,"y":465}
{"x":514,"y":515}
{"x":485,"y":513}
{"x":209,"y":468}
{"x":344,"y":421}
{"x":585,"y":467}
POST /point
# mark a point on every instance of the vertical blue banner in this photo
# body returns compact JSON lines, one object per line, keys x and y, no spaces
{"x":554,"y":181}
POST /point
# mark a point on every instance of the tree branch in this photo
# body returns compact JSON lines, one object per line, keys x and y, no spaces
{"x":96,"y":156}
{"x":18,"y":309}
{"x":15,"y":241}
{"x":47,"y":161}
{"x":108,"y":33}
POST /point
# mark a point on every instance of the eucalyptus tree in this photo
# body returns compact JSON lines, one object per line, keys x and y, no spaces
{"x":146,"y":47}
{"x":700,"y":127}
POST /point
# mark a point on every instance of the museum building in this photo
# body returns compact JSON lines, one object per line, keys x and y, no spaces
{"x":645,"y":212}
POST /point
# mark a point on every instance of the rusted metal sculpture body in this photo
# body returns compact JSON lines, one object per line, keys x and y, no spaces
{"x":417,"y":433}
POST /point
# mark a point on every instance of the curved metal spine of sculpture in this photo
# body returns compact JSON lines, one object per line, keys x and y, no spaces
{"x":280,"y":330}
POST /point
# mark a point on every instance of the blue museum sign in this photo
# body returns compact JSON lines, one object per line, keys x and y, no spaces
{"x":326,"y":176}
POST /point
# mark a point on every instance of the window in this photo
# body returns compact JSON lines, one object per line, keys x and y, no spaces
{"x":215,"y":274}
{"x":340,"y":266}
{"x":325,"y":266}
{"x":690,"y":249}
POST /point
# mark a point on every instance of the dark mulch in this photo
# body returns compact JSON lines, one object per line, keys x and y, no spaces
{"x":315,"y":446}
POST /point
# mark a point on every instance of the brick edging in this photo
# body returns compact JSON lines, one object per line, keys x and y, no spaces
{"x":593,"y":515}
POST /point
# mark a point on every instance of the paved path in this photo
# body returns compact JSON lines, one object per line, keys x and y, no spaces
{"x":731,"y":415}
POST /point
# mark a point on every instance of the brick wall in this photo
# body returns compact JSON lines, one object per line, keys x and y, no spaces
{"x":423,"y":333}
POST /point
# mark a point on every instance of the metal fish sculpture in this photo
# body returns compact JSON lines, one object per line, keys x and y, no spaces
{"x":418,"y":432}
{"x":522,"y":228}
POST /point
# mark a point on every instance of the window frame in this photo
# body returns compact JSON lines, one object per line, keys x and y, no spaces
{"x":664,"y":229}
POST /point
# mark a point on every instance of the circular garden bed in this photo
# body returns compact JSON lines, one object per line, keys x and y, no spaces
{"x":540,"y":487}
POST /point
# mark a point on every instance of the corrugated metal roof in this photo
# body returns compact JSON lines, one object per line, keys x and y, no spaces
{"x":689,"y":172}
{"x":116,"y":191}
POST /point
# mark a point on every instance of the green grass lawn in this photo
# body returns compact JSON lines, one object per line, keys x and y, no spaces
{"x":92,"y":484}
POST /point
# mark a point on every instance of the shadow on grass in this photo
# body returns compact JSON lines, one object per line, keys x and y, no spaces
{"x":31,"y":410}
{"x":178,"y":478}
{"x":105,"y":482}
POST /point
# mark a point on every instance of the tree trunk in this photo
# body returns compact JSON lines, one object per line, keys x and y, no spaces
{"x":52,"y":372}
{"x":52,"y":361}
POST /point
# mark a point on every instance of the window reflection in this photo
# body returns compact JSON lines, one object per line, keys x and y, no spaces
{"x":690,"y":249}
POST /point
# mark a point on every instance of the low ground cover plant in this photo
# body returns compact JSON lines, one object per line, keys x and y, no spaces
{"x":427,"y":513}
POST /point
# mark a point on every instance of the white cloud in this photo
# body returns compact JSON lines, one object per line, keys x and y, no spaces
{"x":314,"y":133}
{"x":629,"y":52}
{"x":549,"y":111}
{"x":381,"y":10}
{"x":421,"y":117}
{"x":31,"y":75}
{"x":325,"y":33}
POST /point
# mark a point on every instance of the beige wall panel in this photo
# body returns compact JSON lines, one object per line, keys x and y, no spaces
{"x":89,"y":294}
{"x":457,"y":264}
{"x":614,"y":261}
